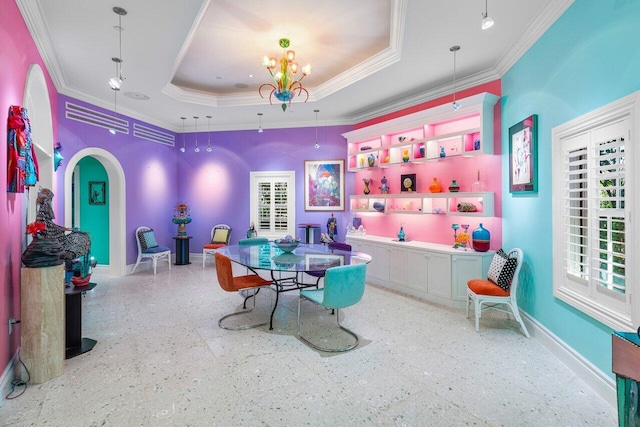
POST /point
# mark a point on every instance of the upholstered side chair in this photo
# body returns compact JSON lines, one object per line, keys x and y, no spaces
{"x":148,"y":248}
{"x":220,"y":235}
{"x":498,"y":291}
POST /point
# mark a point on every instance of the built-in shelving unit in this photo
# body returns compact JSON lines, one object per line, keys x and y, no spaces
{"x":426,"y":203}
{"x":425,"y":135}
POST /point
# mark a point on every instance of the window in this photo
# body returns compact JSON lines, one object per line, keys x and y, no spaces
{"x":273,"y":203}
{"x":593,"y":239}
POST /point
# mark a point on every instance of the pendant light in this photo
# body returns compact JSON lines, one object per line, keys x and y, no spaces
{"x":259,"y":122}
{"x":197,"y":150}
{"x":208,"y":134}
{"x":487,"y":22}
{"x":116,"y":82}
{"x":112,"y":129}
{"x":456,"y":105}
{"x":184,"y":143}
{"x":316,"y":145}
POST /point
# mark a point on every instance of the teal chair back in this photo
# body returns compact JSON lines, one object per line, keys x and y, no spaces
{"x":253,"y":241}
{"x":344,"y":285}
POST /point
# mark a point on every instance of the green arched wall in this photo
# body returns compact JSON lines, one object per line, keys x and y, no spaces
{"x":94,"y":219}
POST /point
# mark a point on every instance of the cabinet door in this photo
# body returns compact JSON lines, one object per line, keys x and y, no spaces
{"x":463,"y":269}
{"x":378,"y":268}
{"x":439,"y":274}
{"x":417,"y":272}
{"x":398,"y":266}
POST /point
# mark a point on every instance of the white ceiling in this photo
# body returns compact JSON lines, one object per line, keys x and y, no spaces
{"x":194,"y":57}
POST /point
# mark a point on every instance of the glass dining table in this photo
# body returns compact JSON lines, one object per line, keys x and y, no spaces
{"x":286,"y":268}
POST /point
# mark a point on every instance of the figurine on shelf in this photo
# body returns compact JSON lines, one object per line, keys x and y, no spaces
{"x":401,"y":235}
{"x":384,"y":189}
{"x":332,"y":226}
{"x":251,"y":232}
{"x":182,"y":218}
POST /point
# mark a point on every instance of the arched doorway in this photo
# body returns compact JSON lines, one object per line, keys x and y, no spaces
{"x":36,"y":101}
{"x":117,"y":204}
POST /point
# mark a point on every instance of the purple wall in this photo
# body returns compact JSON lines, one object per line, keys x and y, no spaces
{"x":150,"y":170}
{"x":17,"y":54}
{"x":216,"y":185}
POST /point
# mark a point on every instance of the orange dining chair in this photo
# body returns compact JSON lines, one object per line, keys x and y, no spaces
{"x":239,"y":283}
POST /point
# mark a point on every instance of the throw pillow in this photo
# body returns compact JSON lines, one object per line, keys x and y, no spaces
{"x":220,"y":235}
{"x":502,"y":269}
{"x":147,"y":239}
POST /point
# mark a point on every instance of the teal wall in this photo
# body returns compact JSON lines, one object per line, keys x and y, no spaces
{"x":588,"y":58}
{"x":94,"y":218}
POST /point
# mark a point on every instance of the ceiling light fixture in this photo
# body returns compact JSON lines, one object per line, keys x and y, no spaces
{"x":283,"y":73}
{"x":259,"y":122}
{"x":316,"y":145}
{"x":209,"y":134}
{"x":112,"y":129}
{"x":197,"y":150}
{"x":486,"y":21}
{"x":116,"y":82}
{"x":454,"y":49}
{"x":184,"y":143}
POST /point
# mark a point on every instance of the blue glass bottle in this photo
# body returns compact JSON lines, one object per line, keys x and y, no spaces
{"x":401,"y":234}
{"x":481,"y":239}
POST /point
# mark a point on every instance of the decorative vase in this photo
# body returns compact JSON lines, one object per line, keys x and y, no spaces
{"x":182,"y":222}
{"x":422,"y":151}
{"x":371,"y":160}
{"x":405,"y":156}
{"x":43,"y":252}
{"x":366,"y":181}
{"x":362,"y":162}
{"x":435,"y":186}
{"x":454,"y":187}
{"x":481,"y":239}
{"x":401,"y":234}
{"x":442,"y":153}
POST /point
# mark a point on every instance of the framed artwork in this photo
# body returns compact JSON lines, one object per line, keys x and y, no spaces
{"x":408,"y":182}
{"x":97,"y":193}
{"x":324,"y":185}
{"x":523,"y":156}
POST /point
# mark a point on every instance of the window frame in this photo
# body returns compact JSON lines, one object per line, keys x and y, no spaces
{"x":622,"y":311}
{"x":255,"y":178}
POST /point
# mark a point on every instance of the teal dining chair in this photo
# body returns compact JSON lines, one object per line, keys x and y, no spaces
{"x":253,"y":241}
{"x":343,"y":287}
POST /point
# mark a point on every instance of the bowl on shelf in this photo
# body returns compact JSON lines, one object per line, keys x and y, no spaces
{"x":379,"y":206}
{"x":287,"y":245}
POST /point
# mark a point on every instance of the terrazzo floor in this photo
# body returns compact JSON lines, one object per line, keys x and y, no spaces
{"x":162,"y":360}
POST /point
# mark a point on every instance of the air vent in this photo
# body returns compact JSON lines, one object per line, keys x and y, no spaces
{"x":95,"y":118}
{"x":153,"y":135}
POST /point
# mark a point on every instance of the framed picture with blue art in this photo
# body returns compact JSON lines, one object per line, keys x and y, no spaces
{"x":523,"y":156}
{"x":97,"y":193}
{"x":324,"y":185}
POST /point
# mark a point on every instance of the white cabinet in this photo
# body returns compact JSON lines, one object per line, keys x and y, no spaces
{"x":439,"y":275}
{"x":464,"y":269}
{"x":433,"y":272}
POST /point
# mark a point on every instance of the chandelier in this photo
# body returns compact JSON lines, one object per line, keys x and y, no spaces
{"x":283,"y":73}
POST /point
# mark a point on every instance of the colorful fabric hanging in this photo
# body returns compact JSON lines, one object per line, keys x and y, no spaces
{"x":21,"y":156}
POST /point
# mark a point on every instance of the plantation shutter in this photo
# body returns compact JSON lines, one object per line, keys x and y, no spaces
{"x":272,"y":203}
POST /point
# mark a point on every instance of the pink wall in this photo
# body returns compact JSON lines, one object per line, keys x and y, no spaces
{"x":17,"y":53}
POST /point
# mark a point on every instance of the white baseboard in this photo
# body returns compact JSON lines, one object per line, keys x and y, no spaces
{"x":7,"y":376}
{"x":600,"y":382}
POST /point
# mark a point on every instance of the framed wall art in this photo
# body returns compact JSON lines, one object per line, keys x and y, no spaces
{"x":523,"y":156}
{"x":408,"y":182}
{"x":97,"y":193}
{"x":324,"y":185}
